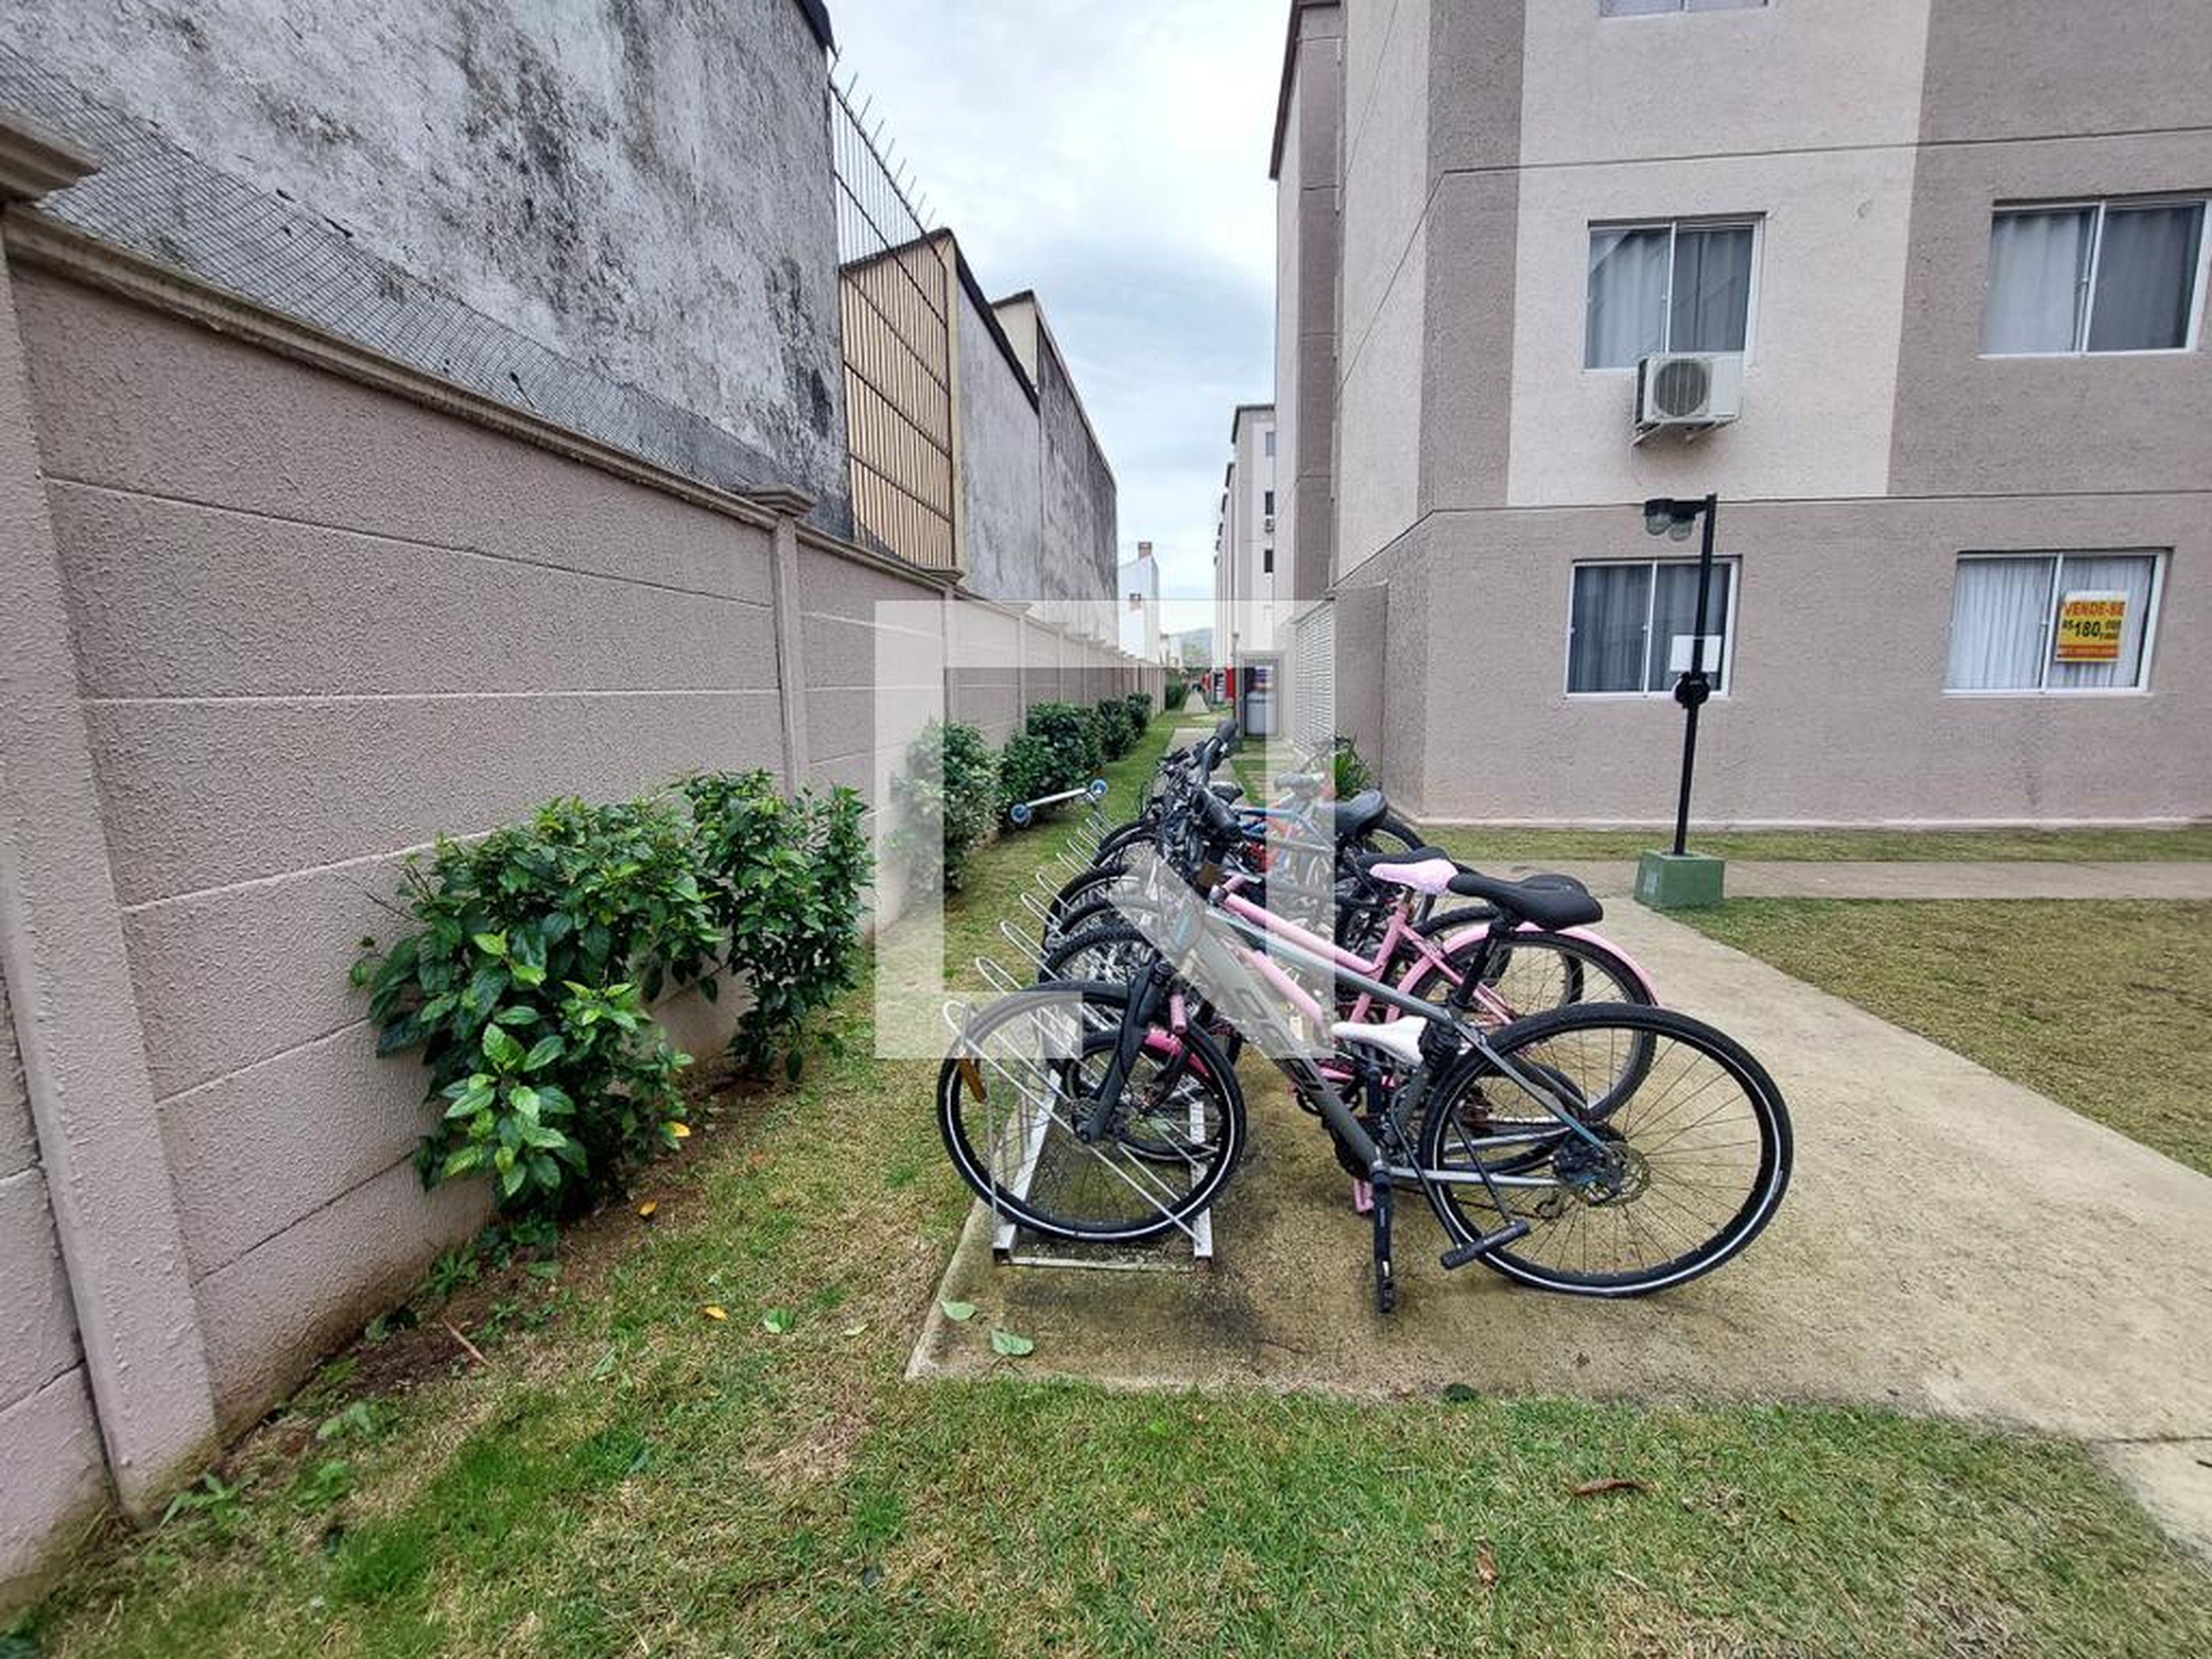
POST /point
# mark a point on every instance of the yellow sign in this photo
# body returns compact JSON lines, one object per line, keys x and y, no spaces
{"x":2090,"y":627}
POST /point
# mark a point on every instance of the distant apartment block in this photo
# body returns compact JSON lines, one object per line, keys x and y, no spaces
{"x":1139,"y":588}
{"x":1916,"y":286}
{"x":1251,"y":590}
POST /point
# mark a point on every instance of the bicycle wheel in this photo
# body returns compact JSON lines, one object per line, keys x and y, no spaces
{"x":1108,"y":954}
{"x":1693,"y":1159}
{"x":1533,"y":973}
{"x":1014,"y":1093}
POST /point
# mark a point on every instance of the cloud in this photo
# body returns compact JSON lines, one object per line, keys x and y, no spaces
{"x":1114,"y":157}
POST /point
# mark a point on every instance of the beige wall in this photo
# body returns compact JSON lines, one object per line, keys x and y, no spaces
{"x":1382,"y":274}
{"x":302,"y":626}
{"x":1837,"y":712}
{"x":51,"y":1467}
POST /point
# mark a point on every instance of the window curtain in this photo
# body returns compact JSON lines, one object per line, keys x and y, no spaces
{"x":1606,"y":645}
{"x":2146,"y":277}
{"x":2000,"y":615}
{"x":1674,"y":614}
{"x":2038,"y":269}
{"x":2117,"y":572}
{"x":1627,"y":296}
{"x":1712,"y":288}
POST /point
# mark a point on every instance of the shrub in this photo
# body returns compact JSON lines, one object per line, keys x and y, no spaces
{"x":1178,"y":688}
{"x":1118,"y":727}
{"x":1351,"y":773}
{"x":525,"y":989}
{"x":948,"y":799}
{"x":1140,"y":705}
{"x":784,"y":880}
{"x":1072,"y":733}
{"x":1028,"y":768}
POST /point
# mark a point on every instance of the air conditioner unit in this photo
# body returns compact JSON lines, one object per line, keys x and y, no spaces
{"x":1267,"y":524}
{"x":1688,"y":389}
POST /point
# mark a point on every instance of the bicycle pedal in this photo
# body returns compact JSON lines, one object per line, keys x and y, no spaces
{"x":1476,"y":1247}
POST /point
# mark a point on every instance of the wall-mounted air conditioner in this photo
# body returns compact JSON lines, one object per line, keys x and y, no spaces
{"x":1688,"y":390}
{"x":1268,"y":523}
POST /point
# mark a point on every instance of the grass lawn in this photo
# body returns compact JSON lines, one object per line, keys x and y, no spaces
{"x":623,"y":1474}
{"x":2069,"y":846}
{"x":2100,"y":1005}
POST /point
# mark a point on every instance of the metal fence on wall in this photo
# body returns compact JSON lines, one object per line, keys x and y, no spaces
{"x":895,"y":304}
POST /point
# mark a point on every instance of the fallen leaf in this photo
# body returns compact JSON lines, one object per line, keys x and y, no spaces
{"x":715,"y":1310}
{"x":776,"y":1321}
{"x":647,"y":1208}
{"x":1485,"y":1566}
{"x":958,"y":1312}
{"x":1611,"y":1483}
{"x":856,"y":1328}
{"x":681,"y":1131}
{"x":1013,"y":1346}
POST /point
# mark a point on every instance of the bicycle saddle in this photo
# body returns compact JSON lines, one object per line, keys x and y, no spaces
{"x":1423,"y":869}
{"x":1549,"y":901}
{"x":1356,"y":817}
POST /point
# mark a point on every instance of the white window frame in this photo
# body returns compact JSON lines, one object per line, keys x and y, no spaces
{"x":1757,"y":221}
{"x":2043,"y":688}
{"x":1733,"y":563}
{"x":2071,"y":204}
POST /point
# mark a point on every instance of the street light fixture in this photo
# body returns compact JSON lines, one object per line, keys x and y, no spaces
{"x":1664,"y":515}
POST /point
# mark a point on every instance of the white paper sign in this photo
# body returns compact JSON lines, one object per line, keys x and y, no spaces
{"x":1678,"y":653}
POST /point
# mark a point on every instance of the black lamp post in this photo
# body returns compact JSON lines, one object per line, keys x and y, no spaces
{"x":1663,"y":515}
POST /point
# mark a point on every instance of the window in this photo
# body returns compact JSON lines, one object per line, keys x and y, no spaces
{"x":1267,"y":561}
{"x":1681,"y":286}
{"x":1630,"y":625}
{"x":1649,"y":7}
{"x":1267,"y":502}
{"x":1267,"y":440}
{"x":2094,"y":277}
{"x":2052,"y":621}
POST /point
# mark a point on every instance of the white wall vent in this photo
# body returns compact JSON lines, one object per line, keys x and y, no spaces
{"x":1688,"y":389}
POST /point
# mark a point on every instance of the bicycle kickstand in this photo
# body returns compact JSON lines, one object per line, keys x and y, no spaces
{"x":1386,"y":1282}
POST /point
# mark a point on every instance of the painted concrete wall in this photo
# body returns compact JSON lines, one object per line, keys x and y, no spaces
{"x":1821,"y":369}
{"x":1837,"y":712}
{"x":315,"y":626}
{"x":645,"y":189}
{"x":51,"y":1469}
{"x":1384,"y":273}
{"x":1307,"y":250}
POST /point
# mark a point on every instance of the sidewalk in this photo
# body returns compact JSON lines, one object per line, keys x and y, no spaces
{"x":1953,"y":1243}
{"x":1963,"y":880}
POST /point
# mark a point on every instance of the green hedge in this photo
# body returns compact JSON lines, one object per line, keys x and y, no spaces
{"x":949,"y":803}
{"x":526,"y":981}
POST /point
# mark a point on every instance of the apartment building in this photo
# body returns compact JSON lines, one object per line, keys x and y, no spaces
{"x":1139,"y":588}
{"x":1251,"y":593}
{"x":1933,"y":273}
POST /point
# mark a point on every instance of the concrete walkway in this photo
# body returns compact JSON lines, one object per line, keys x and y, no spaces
{"x":1964,"y":879}
{"x":1952,"y":1243}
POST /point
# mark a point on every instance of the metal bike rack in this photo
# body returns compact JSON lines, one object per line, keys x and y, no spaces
{"x":1021,"y":812}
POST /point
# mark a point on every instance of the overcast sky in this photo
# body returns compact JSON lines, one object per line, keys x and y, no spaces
{"x":1114,"y":157}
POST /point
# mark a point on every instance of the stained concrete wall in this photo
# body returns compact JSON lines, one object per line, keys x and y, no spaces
{"x":1002,"y":462}
{"x":1081,"y":543}
{"x":645,"y":189}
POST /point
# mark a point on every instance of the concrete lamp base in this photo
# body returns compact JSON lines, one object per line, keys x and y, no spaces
{"x":1679,"y":881}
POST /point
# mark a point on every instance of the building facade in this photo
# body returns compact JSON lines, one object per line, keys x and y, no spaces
{"x":1139,"y":602}
{"x":1955,"y":250}
{"x":1251,"y":590}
